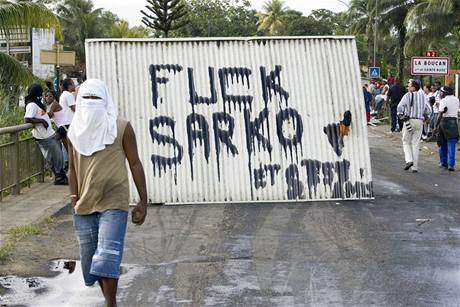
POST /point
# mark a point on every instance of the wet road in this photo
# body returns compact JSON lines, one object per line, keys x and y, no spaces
{"x":356,"y":253}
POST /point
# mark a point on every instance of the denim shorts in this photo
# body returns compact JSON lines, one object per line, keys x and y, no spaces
{"x":101,"y":238}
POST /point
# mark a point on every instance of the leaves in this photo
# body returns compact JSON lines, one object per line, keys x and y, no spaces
{"x":12,"y":72}
{"x":165,"y":15}
{"x":270,"y":19}
{"x":27,"y":14}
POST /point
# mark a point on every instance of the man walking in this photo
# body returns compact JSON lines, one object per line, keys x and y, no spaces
{"x":448,"y":128}
{"x":412,"y":109}
{"x":99,"y":145}
{"x":395,"y":94}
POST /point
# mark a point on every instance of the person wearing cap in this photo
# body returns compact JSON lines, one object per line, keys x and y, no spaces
{"x":412,"y":110}
{"x":448,"y":128}
{"x":99,"y":144}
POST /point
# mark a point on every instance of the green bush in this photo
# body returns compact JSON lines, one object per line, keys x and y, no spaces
{"x":11,"y":114}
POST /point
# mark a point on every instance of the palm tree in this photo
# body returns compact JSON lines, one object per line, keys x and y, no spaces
{"x":393,"y":15}
{"x":22,"y":14}
{"x":121,"y":29}
{"x":270,"y":19}
{"x":430,"y":22}
{"x":80,"y":21}
{"x":361,"y":14}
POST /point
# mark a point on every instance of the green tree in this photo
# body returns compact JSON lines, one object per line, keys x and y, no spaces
{"x":81,"y":21}
{"x":165,"y":15}
{"x":270,"y":19}
{"x":319,"y":22}
{"x":219,"y":18}
{"x":393,"y":14}
{"x":22,"y":14}
{"x":121,"y":29}
{"x":431,"y":25}
{"x":361,"y":14}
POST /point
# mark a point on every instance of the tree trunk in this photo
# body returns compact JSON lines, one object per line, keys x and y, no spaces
{"x":370,"y":50}
{"x":402,"y":41}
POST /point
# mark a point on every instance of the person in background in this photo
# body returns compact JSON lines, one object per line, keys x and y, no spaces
{"x":99,"y":144}
{"x":391,"y":80}
{"x":67,"y":99}
{"x":436,"y":93}
{"x":43,"y":133}
{"x":426,"y":124}
{"x":59,"y":117}
{"x":367,"y":102}
{"x":448,"y":128}
{"x":394,"y":95}
{"x":382,"y":97}
{"x":412,"y":109}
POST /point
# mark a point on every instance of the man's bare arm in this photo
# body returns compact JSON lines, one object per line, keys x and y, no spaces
{"x":135,"y":164}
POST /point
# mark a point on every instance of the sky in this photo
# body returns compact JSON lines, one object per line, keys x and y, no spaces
{"x":130,"y":9}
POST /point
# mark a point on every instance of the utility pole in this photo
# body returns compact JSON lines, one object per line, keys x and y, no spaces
{"x":375,"y":32}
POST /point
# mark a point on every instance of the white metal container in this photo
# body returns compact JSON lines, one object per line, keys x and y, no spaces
{"x":241,"y":119}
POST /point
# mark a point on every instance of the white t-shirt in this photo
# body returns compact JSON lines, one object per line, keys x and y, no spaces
{"x":452,"y":104}
{"x":67,"y":100}
{"x":39,"y":131}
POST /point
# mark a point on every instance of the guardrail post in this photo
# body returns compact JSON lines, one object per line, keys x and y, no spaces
{"x":17,"y":178}
{"x":41,"y":178}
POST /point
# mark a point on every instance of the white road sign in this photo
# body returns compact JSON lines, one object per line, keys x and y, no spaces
{"x":430,"y":66}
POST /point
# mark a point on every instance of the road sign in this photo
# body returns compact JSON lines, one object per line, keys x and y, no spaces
{"x":430,"y":66}
{"x":431,"y":53}
{"x":51,"y":57}
{"x":374,"y":72}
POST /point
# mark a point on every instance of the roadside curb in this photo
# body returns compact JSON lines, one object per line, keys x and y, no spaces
{"x":64,"y":210}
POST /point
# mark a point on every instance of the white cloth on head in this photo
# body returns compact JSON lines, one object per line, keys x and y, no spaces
{"x":95,"y":121}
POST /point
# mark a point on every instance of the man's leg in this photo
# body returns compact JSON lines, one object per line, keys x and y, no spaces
{"x":393,"y":113}
{"x":86,"y":231}
{"x":443,"y":154}
{"x":417,"y":126}
{"x":451,"y":152}
{"x":44,"y":148}
{"x":407,"y":145}
{"x":109,"y":288}
{"x":107,"y":258}
{"x":58,"y":156}
{"x":52,"y":152}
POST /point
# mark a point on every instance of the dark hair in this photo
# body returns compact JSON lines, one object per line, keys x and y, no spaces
{"x":52,"y":93}
{"x":437,"y":82}
{"x":34,"y":95}
{"x":415,"y":84}
{"x":66,"y":83}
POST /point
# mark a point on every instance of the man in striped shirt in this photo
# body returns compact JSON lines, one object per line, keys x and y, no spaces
{"x":413,"y":109}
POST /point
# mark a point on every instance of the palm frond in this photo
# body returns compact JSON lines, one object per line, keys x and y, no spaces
{"x":27,"y":14}
{"x":12,"y":72}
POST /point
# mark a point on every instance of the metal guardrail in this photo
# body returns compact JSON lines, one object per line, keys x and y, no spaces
{"x":20,"y":161}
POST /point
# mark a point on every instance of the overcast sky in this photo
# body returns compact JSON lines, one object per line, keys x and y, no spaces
{"x":130,"y":9}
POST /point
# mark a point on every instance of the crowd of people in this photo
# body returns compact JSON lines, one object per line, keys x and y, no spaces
{"x":43,"y":108}
{"x":421,"y":112}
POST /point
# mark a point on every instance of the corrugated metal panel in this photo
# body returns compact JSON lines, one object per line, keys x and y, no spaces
{"x":221,"y":120}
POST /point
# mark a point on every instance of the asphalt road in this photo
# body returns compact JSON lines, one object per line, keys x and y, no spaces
{"x":355,"y":253}
{"x":366,"y":253}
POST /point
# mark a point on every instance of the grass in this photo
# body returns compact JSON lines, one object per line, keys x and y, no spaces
{"x":16,"y":234}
